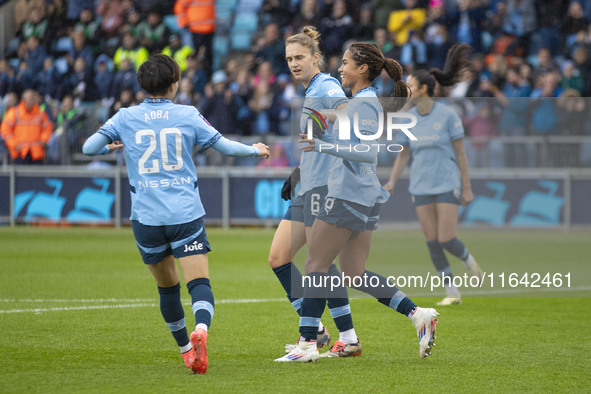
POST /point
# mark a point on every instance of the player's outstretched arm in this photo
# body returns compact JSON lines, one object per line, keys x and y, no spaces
{"x":98,"y":144}
{"x":238,"y":149}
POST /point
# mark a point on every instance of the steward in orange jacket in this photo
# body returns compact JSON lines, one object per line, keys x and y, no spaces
{"x":197,"y":15}
{"x":26,"y":130}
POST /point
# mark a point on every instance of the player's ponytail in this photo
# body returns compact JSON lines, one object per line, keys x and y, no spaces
{"x":370,"y":54}
{"x":394,"y":70}
{"x":309,"y":38}
{"x":456,"y":62}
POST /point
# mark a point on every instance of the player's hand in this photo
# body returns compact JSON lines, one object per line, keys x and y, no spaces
{"x":117,"y":145}
{"x":263,"y":149}
{"x":389,"y":186}
{"x":311,"y":143}
{"x":288,"y":189}
{"x":466,"y":197}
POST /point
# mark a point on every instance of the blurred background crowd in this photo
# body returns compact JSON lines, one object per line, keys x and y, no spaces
{"x":529,"y":78}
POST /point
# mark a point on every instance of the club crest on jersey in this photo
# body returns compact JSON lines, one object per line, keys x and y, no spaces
{"x":436,"y":126}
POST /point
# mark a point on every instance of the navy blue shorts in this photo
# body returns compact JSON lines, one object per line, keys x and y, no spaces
{"x":313,"y":201}
{"x":181,"y":240}
{"x":350,"y":215}
{"x":295,"y":211}
{"x":451,"y":197}
{"x":304,"y":208}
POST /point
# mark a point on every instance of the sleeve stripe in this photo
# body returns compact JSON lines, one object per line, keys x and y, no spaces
{"x":101,"y":131}
{"x":212,"y":141}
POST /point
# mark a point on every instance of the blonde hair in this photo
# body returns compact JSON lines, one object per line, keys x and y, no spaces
{"x":309,"y":38}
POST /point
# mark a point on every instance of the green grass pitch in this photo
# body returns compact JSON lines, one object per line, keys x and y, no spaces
{"x":79,"y":313}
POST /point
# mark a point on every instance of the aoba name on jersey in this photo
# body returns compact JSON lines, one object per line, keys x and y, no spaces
{"x":155,"y":184}
{"x":153,"y":115}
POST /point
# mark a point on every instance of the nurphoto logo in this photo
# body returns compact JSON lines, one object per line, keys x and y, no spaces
{"x":394,"y":121}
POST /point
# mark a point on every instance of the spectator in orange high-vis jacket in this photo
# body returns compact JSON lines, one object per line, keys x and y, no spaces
{"x":26,"y":130}
{"x":198,"y":16}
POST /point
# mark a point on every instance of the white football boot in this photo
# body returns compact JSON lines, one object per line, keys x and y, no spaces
{"x":303,"y":352}
{"x":425,"y":320}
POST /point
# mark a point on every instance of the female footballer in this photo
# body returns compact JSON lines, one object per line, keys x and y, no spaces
{"x":350,"y":210}
{"x":306,"y":64}
{"x":439,"y":179}
{"x":158,"y":137}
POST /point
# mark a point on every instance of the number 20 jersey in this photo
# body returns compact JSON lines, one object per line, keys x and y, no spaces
{"x":158,"y":138}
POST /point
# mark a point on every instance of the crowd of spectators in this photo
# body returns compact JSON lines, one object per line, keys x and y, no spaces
{"x":85,"y":53}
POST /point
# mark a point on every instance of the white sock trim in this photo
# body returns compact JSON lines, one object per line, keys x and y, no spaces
{"x":320,"y":327}
{"x":201,"y":325}
{"x":451,"y":291}
{"x":348,"y":337}
{"x":186,"y":348}
{"x":469,"y":260}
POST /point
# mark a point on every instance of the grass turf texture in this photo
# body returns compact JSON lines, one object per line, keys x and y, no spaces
{"x":485,"y":344}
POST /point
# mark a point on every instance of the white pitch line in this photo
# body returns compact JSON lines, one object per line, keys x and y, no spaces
{"x":115,"y":306}
{"x":76,"y":300}
{"x":506,"y":291}
{"x":76,"y":308}
{"x":129,"y":300}
{"x":529,"y":290}
{"x":251,"y":300}
{"x":142,"y":303}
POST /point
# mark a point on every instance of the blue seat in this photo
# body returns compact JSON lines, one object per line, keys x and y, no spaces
{"x":64,"y":44}
{"x":172,"y":23}
{"x":224,"y":19}
{"x":230,"y":4}
{"x":221,"y":46}
{"x":224,"y":13}
{"x":240,"y":39}
{"x":246,"y":21}
{"x":249,"y":5}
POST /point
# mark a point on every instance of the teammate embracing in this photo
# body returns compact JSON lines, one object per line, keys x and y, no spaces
{"x":350,"y":211}
{"x":306,"y":62}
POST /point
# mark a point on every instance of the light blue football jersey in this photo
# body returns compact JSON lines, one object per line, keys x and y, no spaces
{"x":324,"y":92}
{"x":352,"y":180}
{"x":158,"y":138}
{"x":434,"y":167}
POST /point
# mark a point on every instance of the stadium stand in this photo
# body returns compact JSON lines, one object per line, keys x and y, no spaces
{"x":547,"y":55}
